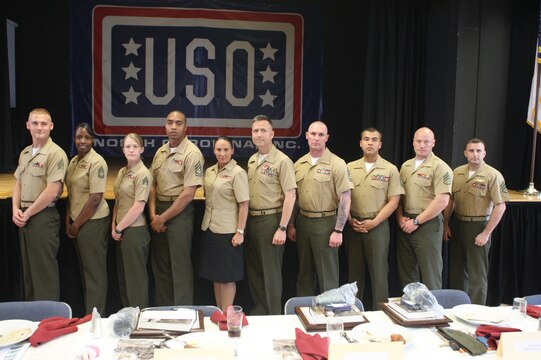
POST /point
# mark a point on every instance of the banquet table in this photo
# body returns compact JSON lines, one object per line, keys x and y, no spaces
{"x":256,"y":339}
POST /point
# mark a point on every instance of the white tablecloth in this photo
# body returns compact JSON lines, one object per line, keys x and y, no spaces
{"x":256,"y":339}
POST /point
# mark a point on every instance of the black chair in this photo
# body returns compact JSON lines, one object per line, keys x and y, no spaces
{"x":289,"y":307}
{"x":33,"y":310}
{"x":449,"y":298}
{"x":533,"y":299}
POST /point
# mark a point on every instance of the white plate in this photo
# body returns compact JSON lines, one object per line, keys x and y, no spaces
{"x":14,"y":331}
{"x":203,"y":340}
{"x":478,"y":314}
{"x":369,"y":332}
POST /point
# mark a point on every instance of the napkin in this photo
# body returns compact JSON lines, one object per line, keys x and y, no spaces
{"x":492,"y":333}
{"x":533,"y":311}
{"x":54,"y":327}
{"x":219,"y":318}
{"x":311,"y":347}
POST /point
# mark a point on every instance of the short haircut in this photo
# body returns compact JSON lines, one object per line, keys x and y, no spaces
{"x":262,"y":118}
{"x":135,"y":137}
{"x":87,"y":127}
{"x":476,"y":141}
{"x":372,"y":129}
{"x":40,"y":111}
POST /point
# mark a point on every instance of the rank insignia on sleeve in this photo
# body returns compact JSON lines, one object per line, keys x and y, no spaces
{"x":61,"y":165}
{"x":144,"y":182}
{"x":503,"y":188}
{"x":198,"y":169}
{"x":447,"y":179}
{"x":101,"y":172}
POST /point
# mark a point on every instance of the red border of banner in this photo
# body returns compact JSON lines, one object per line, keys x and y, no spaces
{"x":100,"y":12}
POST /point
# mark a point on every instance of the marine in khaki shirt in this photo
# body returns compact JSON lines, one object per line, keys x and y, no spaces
{"x":479,"y":197}
{"x":375,"y":196}
{"x":223,"y":191}
{"x":323,"y":199}
{"x":84,"y":177}
{"x":131,"y":185}
{"x":175,"y":170}
{"x":178,"y":172}
{"x":35,"y":172}
{"x":39,"y":182}
{"x":427,"y":182}
{"x":272,"y":185}
{"x":269,"y":179}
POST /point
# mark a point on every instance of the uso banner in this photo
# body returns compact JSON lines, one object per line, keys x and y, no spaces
{"x":221,"y":63}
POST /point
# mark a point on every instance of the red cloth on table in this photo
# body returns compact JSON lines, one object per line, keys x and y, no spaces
{"x":219,"y":318}
{"x":54,"y":327}
{"x":534,"y":311}
{"x":311,"y":347}
{"x":493,"y":333}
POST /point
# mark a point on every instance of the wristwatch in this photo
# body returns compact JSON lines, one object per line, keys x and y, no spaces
{"x":282,"y":227}
{"x":416,"y":222}
{"x":118,"y":231}
{"x":337,"y":231}
{"x":240,"y":231}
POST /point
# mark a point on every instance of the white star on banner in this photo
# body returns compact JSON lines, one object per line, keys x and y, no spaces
{"x":268,"y":51}
{"x":268,"y":98}
{"x":268,"y":74}
{"x":131,"y":47}
{"x":131,"y":96}
{"x":131,"y":71}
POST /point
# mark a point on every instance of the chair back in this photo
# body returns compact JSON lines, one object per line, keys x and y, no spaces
{"x":33,"y":310}
{"x":533,"y":299}
{"x":289,"y":307}
{"x":449,"y":298}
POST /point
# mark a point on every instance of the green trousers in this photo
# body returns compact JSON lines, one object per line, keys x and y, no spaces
{"x":317,"y":261}
{"x":468,"y":263}
{"x":171,"y":258}
{"x":131,"y":263}
{"x":419,"y":254}
{"x":369,"y":251}
{"x":264,"y":264}
{"x":91,"y":246}
{"x":39,"y":242}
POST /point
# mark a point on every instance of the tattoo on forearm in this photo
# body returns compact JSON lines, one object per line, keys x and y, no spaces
{"x":342,"y":215}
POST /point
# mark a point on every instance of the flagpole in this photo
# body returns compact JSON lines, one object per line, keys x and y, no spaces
{"x":531,"y":190}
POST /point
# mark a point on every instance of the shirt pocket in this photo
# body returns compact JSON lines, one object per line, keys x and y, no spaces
{"x":478,"y":190}
{"x":422,"y":182}
{"x":37,"y":171}
{"x":322,"y":177}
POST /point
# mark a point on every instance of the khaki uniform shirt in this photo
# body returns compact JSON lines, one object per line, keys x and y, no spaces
{"x":319,"y":186}
{"x":431,"y":178}
{"x":130,"y":186}
{"x":174,"y":171}
{"x":477,"y":195}
{"x":224,"y":189}
{"x":269,"y":180}
{"x":84,"y":177}
{"x":35,"y":172}
{"x":373,"y":188}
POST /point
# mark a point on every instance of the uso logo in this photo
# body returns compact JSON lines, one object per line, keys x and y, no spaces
{"x":221,"y":67}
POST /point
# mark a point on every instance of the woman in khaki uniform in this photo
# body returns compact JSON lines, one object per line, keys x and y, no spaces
{"x":87,"y":216}
{"x":226,"y":211}
{"x":129,"y":227}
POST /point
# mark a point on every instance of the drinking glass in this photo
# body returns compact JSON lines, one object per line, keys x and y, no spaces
{"x":521,"y":305}
{"x":234,"y":321}
{"x":335,"y":328}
